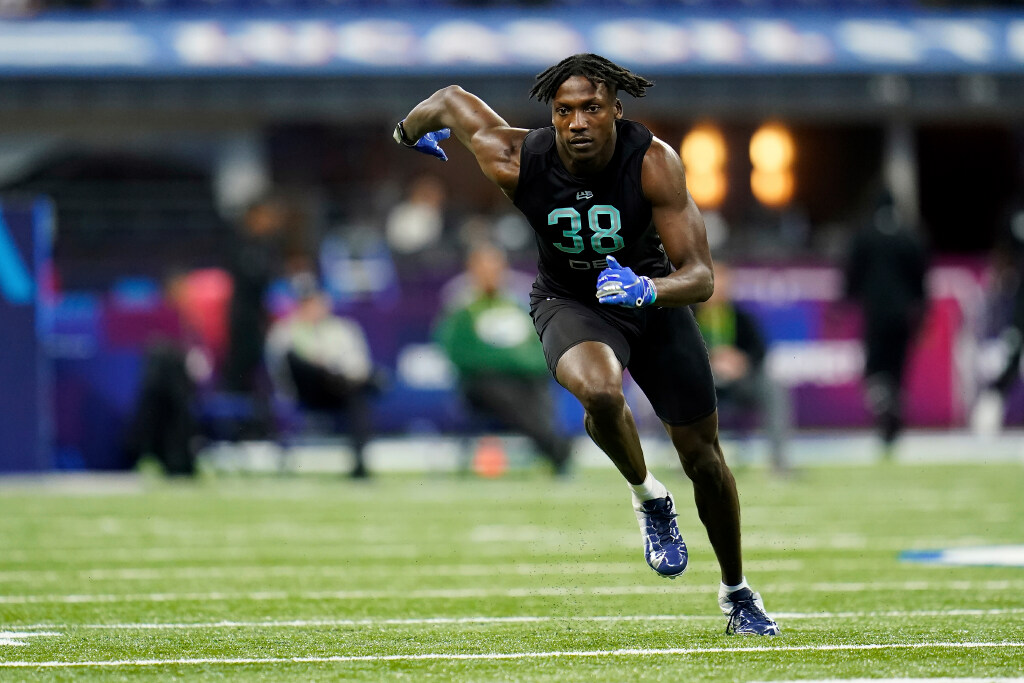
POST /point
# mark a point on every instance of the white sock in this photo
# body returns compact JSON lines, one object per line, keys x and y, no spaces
{"x":650,"y":489}
{"x":724,"y":590}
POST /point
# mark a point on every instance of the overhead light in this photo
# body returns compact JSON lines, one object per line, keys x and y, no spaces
{"x":772,"y":153}
{"x":704,"y":154}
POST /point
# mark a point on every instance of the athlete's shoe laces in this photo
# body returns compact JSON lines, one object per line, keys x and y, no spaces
{"x":746,"y":614}
{"x":664,"y":548}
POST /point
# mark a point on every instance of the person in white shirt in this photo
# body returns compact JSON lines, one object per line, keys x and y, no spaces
{"x":322,"y":361}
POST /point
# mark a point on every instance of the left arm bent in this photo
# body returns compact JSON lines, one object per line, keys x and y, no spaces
{"x":680,"y":226}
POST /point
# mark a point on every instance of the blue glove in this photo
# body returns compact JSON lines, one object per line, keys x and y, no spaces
{"x":620,"y":286}
{"x":426,"y":144}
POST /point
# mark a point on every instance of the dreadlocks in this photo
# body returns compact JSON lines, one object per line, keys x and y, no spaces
{"x":594,"y":68}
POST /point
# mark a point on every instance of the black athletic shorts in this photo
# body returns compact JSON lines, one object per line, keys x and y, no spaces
{"x":661,"y":347}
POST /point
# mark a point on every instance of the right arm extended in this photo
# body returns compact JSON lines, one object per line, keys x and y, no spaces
{"x":492,"y":141}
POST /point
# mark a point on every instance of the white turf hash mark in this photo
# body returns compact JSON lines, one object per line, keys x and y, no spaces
{"x":15,"y":637}
{"x":509,"y":655}
{"x":535,"y":592}
{"x":454,"y":621}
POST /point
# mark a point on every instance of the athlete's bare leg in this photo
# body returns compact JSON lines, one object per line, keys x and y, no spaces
{"x":714,"y":491}
{"x":592,"y":373}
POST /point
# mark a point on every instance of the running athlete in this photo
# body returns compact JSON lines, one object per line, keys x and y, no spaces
{"x":623,"y":253}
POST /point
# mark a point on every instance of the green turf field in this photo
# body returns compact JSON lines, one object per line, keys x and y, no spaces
{"x":453,"y":578}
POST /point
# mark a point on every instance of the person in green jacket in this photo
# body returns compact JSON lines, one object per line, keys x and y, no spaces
{"x":489,"y":337}
{"x":738,"y":352}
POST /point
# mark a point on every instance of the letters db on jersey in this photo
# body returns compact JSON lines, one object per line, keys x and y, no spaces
{"x":578,"y":222}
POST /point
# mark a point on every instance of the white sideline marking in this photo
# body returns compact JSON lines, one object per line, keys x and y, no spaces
{"x":511,"y":655}
{"x":449,"y":621}
{"x":467,"y":593}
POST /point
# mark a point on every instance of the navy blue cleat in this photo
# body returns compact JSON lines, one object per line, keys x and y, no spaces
{"x":746,"y":614}
{"x":664,"y":548}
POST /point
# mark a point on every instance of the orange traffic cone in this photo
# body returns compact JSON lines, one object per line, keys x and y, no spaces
{"x":490,"y":460}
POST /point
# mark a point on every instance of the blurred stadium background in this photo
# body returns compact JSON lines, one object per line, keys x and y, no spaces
{"x":134,"y":132}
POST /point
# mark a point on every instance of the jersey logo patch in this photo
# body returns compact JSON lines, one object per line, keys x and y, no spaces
{"x":585,"y":194}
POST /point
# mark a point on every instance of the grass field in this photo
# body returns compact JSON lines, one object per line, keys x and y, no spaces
{"x":453,"y":578}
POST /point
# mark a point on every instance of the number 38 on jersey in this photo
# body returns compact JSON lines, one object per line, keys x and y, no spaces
{"x":604,"y":223}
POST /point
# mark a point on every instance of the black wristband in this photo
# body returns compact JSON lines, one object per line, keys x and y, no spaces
{"x":400,"y":136}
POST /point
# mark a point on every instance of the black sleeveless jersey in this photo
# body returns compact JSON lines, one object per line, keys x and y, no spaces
{"x":580,"y":221}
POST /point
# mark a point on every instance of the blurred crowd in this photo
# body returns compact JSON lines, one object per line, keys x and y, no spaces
{"x":35,"y":7}
{"x":273,"y":298}
{"x":282,"y":350}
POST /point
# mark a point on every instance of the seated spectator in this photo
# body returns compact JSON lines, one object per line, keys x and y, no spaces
{"x":489,"y":338}
{"x":322,"y":361}
{"x":737,"y":352}
{"x":1006,"y":298}
{"x":418,"y":228}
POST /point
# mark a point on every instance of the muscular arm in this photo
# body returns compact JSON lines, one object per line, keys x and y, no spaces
{"x":492,"y":141}
{"x":680,"y":226}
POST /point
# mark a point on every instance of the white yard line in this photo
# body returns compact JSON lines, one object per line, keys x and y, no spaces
{"x":262,"y":572}
{"x":525,"y":536}
{"x":509,"y":655}
{"x":454,"y":621}
{"x":286,"y":571}
{"x":469,"y":593}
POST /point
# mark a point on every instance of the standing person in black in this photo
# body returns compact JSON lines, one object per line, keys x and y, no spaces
{"x":253,"y":263}
{"x":164,"y":425}
{"x":885,"y":272}
{"x":617,"y":231}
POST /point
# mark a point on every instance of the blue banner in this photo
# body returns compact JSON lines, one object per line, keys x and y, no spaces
{"x":501,"y":41}
{"x":25,"y":399}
